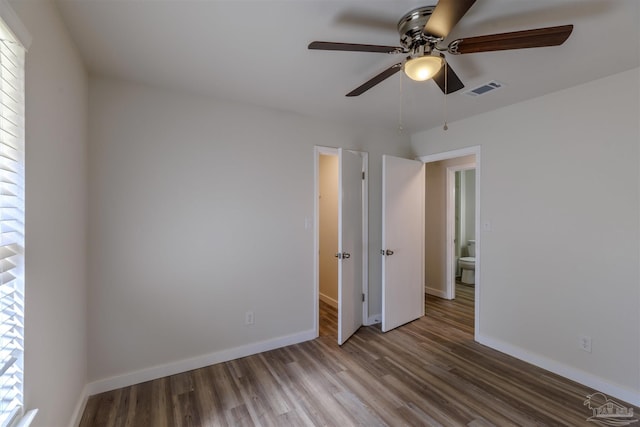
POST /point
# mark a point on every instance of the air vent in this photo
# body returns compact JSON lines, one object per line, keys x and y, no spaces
{"x":484,"y":89}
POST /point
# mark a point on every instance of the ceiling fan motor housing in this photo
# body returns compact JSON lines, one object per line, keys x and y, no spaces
{"x":411,"y":28}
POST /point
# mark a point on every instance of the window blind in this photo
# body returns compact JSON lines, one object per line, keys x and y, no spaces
{"x":11,"y":229}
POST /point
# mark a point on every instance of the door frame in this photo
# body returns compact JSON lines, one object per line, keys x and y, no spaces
{"x":332,"y":151}
{"x":475,"y":150}
{"x":450,"y":219}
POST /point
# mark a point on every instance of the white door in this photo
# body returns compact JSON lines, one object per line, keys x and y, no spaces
{"x":349,"y":245}
{"x":403,"y":195}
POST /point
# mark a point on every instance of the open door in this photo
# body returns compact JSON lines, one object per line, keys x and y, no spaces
{"x":349,"y":244}
{"x":403,"y":193}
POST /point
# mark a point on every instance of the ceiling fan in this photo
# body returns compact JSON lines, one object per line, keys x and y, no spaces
{"x":422,"y":29}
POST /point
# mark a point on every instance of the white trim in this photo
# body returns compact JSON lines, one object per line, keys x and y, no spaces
{"x":80,"y":406}
{"x":462,"y":152}
{"x":423,"y":228}
{"x":327,"y":299}
{"x":14,"y":24}
{"x":474,"y":150}
{"x":26,"y":419}
{"x":436,"y":292}
{"x":327,"y":151}
{"x":478,"y":251}
{"x":316,"y":239}
{"x":185,"y":365}
{"x":566,"y":371}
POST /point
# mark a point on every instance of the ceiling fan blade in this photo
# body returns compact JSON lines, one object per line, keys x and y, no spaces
{"x":539,"y":37}
{"x":377,"y":79}
{"x":452,"y":83}
{"x":354,"y":47}
{"x":445,"y":16}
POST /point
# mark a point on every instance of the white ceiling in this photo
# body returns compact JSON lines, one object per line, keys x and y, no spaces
{"x":256,"y":52}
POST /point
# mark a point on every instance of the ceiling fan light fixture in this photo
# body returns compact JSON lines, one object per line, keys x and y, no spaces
{"x":423,"y":68}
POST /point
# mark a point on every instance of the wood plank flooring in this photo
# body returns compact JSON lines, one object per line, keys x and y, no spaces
{"x":429,"y":372}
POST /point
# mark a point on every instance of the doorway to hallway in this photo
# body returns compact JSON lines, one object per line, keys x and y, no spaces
{"x":452,"y":216}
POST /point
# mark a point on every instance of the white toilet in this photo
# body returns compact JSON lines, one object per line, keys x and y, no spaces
{"x":468,"y":264}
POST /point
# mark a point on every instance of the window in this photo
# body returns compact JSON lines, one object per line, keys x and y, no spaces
{"x":11,"y":228}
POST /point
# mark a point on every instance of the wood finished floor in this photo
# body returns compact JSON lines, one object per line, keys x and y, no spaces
{"x":429,"y":372}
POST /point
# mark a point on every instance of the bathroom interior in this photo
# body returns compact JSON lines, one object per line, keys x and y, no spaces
{"x":465,"y":226}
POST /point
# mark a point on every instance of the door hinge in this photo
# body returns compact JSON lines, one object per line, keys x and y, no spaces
{"x":362,"y":174}
{"x":362,"y":297}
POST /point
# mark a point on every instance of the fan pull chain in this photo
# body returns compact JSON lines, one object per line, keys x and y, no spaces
{"x":445,"y":127}
{"x":400,"y":126}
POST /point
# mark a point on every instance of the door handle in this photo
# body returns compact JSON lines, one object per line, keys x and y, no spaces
{"x":343,"y":255}
{"x":388,"y":252}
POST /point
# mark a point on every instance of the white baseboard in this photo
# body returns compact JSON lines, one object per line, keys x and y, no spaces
{"x":374,"y":319}
{"x":582,"y":377}
{"x":436,"y":292}
{"x":177,"y":367}
{"x":79,"y":409}
{"x":332,"y":302}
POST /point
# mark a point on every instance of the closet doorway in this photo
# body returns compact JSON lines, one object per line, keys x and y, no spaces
{"x":341,"y":241}
{"x":328,"y":245}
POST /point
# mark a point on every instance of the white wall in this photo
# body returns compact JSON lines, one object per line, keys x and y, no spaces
{"x":560,"y":186}
{"x":190,"y":227}
{"x":56,"y":217}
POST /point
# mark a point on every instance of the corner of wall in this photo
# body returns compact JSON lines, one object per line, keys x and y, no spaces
{"x":76,"y":416}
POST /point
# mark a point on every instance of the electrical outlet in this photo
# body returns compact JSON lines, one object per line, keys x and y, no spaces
{"x":248,"y":318}
{"x":585,"y":343}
